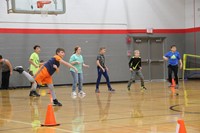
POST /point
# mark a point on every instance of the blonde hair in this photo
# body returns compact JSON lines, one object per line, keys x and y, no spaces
{"x":136,"y":51}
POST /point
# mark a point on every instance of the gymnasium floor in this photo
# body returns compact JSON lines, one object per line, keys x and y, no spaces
{"x":119,"y":112}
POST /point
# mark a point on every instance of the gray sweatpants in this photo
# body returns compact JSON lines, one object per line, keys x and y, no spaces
{"x":34,"y":84}
{"x":133,"y":74}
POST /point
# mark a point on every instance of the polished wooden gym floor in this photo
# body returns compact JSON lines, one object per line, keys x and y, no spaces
{"x":154,"y":111}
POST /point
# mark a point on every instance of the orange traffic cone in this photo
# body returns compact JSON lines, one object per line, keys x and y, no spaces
{"x":173,"y":83}
{"x":50,"y":118}
{"x":180,"y":127}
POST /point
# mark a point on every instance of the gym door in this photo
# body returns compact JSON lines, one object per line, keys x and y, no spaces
{"x":151,"y":52}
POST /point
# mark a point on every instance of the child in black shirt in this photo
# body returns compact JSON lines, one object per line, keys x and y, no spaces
{"x":135,"y":68}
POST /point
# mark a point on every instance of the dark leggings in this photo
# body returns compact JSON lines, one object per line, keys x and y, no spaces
{"x":5,"y":80}
{"x":173,"y":69}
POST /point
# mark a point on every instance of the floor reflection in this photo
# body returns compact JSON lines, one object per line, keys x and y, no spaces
{"x":103,"y":110}
{"x":35,"y":115}
{"x":136,"y":104}
{"x":5,"y":107}
{"x":137,"y":100}
{"x":78,"y":118}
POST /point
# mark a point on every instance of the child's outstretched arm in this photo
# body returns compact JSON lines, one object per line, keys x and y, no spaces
{"x":165,"y":58}
{"x":68,"y":64}
{"x":87,"y":66}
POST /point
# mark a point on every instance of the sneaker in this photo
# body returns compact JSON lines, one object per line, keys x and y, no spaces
{"x":18,"y":69}
{"x":144,"y":88}
{"x":128,"y":87}
{"x":34,"y":94}
{"x":56,"y":103}
{"x":111,"y":90}
{"x":82,"y":93}
{"x":97,"y":91}
{"x":74,"y":94}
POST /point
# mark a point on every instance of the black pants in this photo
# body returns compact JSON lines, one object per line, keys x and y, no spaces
{"x":173,"y":69}
{"x":5,"y":80}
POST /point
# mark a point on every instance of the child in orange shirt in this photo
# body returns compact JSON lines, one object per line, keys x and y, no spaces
{"x":44,"y":75}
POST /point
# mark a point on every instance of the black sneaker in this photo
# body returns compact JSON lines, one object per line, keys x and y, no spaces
{"x":97,"y":91}
{"x":111,"y":90}
{"x":144,"y":88}
{"x":34,"y":94}
{"x":128,"y":87}
{"x":56,"y":103}
{"x":18,"y":69}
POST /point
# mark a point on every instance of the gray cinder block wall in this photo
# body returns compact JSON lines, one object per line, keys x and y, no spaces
{"x":18,"y":47}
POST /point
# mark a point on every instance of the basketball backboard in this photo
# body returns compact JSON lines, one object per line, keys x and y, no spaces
{"x":31,"y":6}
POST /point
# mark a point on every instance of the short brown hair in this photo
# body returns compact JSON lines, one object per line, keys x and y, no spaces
{"x":173,"y":46}
{"x":101,"y":48}
{"x":59,"y":49}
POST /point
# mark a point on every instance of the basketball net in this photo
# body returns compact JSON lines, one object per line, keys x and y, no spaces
{"x":43,"y":5}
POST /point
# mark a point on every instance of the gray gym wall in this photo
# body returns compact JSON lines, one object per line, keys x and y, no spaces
{"x":190,"y":43}
{"x":18,"y":47}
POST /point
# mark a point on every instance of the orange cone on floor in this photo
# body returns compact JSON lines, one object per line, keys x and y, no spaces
{"x":50,"y":118}
{"x":173,"y":83}
{"x":180,"y":127}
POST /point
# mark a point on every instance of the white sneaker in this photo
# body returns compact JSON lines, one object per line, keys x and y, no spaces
{"x":82,"y":93}
{"x":74,"y":94}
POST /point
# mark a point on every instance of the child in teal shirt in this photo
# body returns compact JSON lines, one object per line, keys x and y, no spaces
{"x":77,"y":61}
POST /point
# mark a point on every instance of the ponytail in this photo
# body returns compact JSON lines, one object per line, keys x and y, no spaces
{"x":76,"y":48}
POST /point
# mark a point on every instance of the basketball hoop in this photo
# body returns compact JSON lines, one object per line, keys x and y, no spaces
{"x":43,"y":5}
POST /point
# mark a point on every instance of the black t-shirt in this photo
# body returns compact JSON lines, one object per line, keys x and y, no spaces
{"x":101,"y":59}
{"x":135,"y":63}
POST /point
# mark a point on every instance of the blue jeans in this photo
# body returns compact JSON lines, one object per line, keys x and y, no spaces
{"x":77,"y":78}
{"x":105,"y":74}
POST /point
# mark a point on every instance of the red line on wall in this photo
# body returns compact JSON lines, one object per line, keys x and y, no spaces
{"x":61,"y":31}
{"x":95,"y":31}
